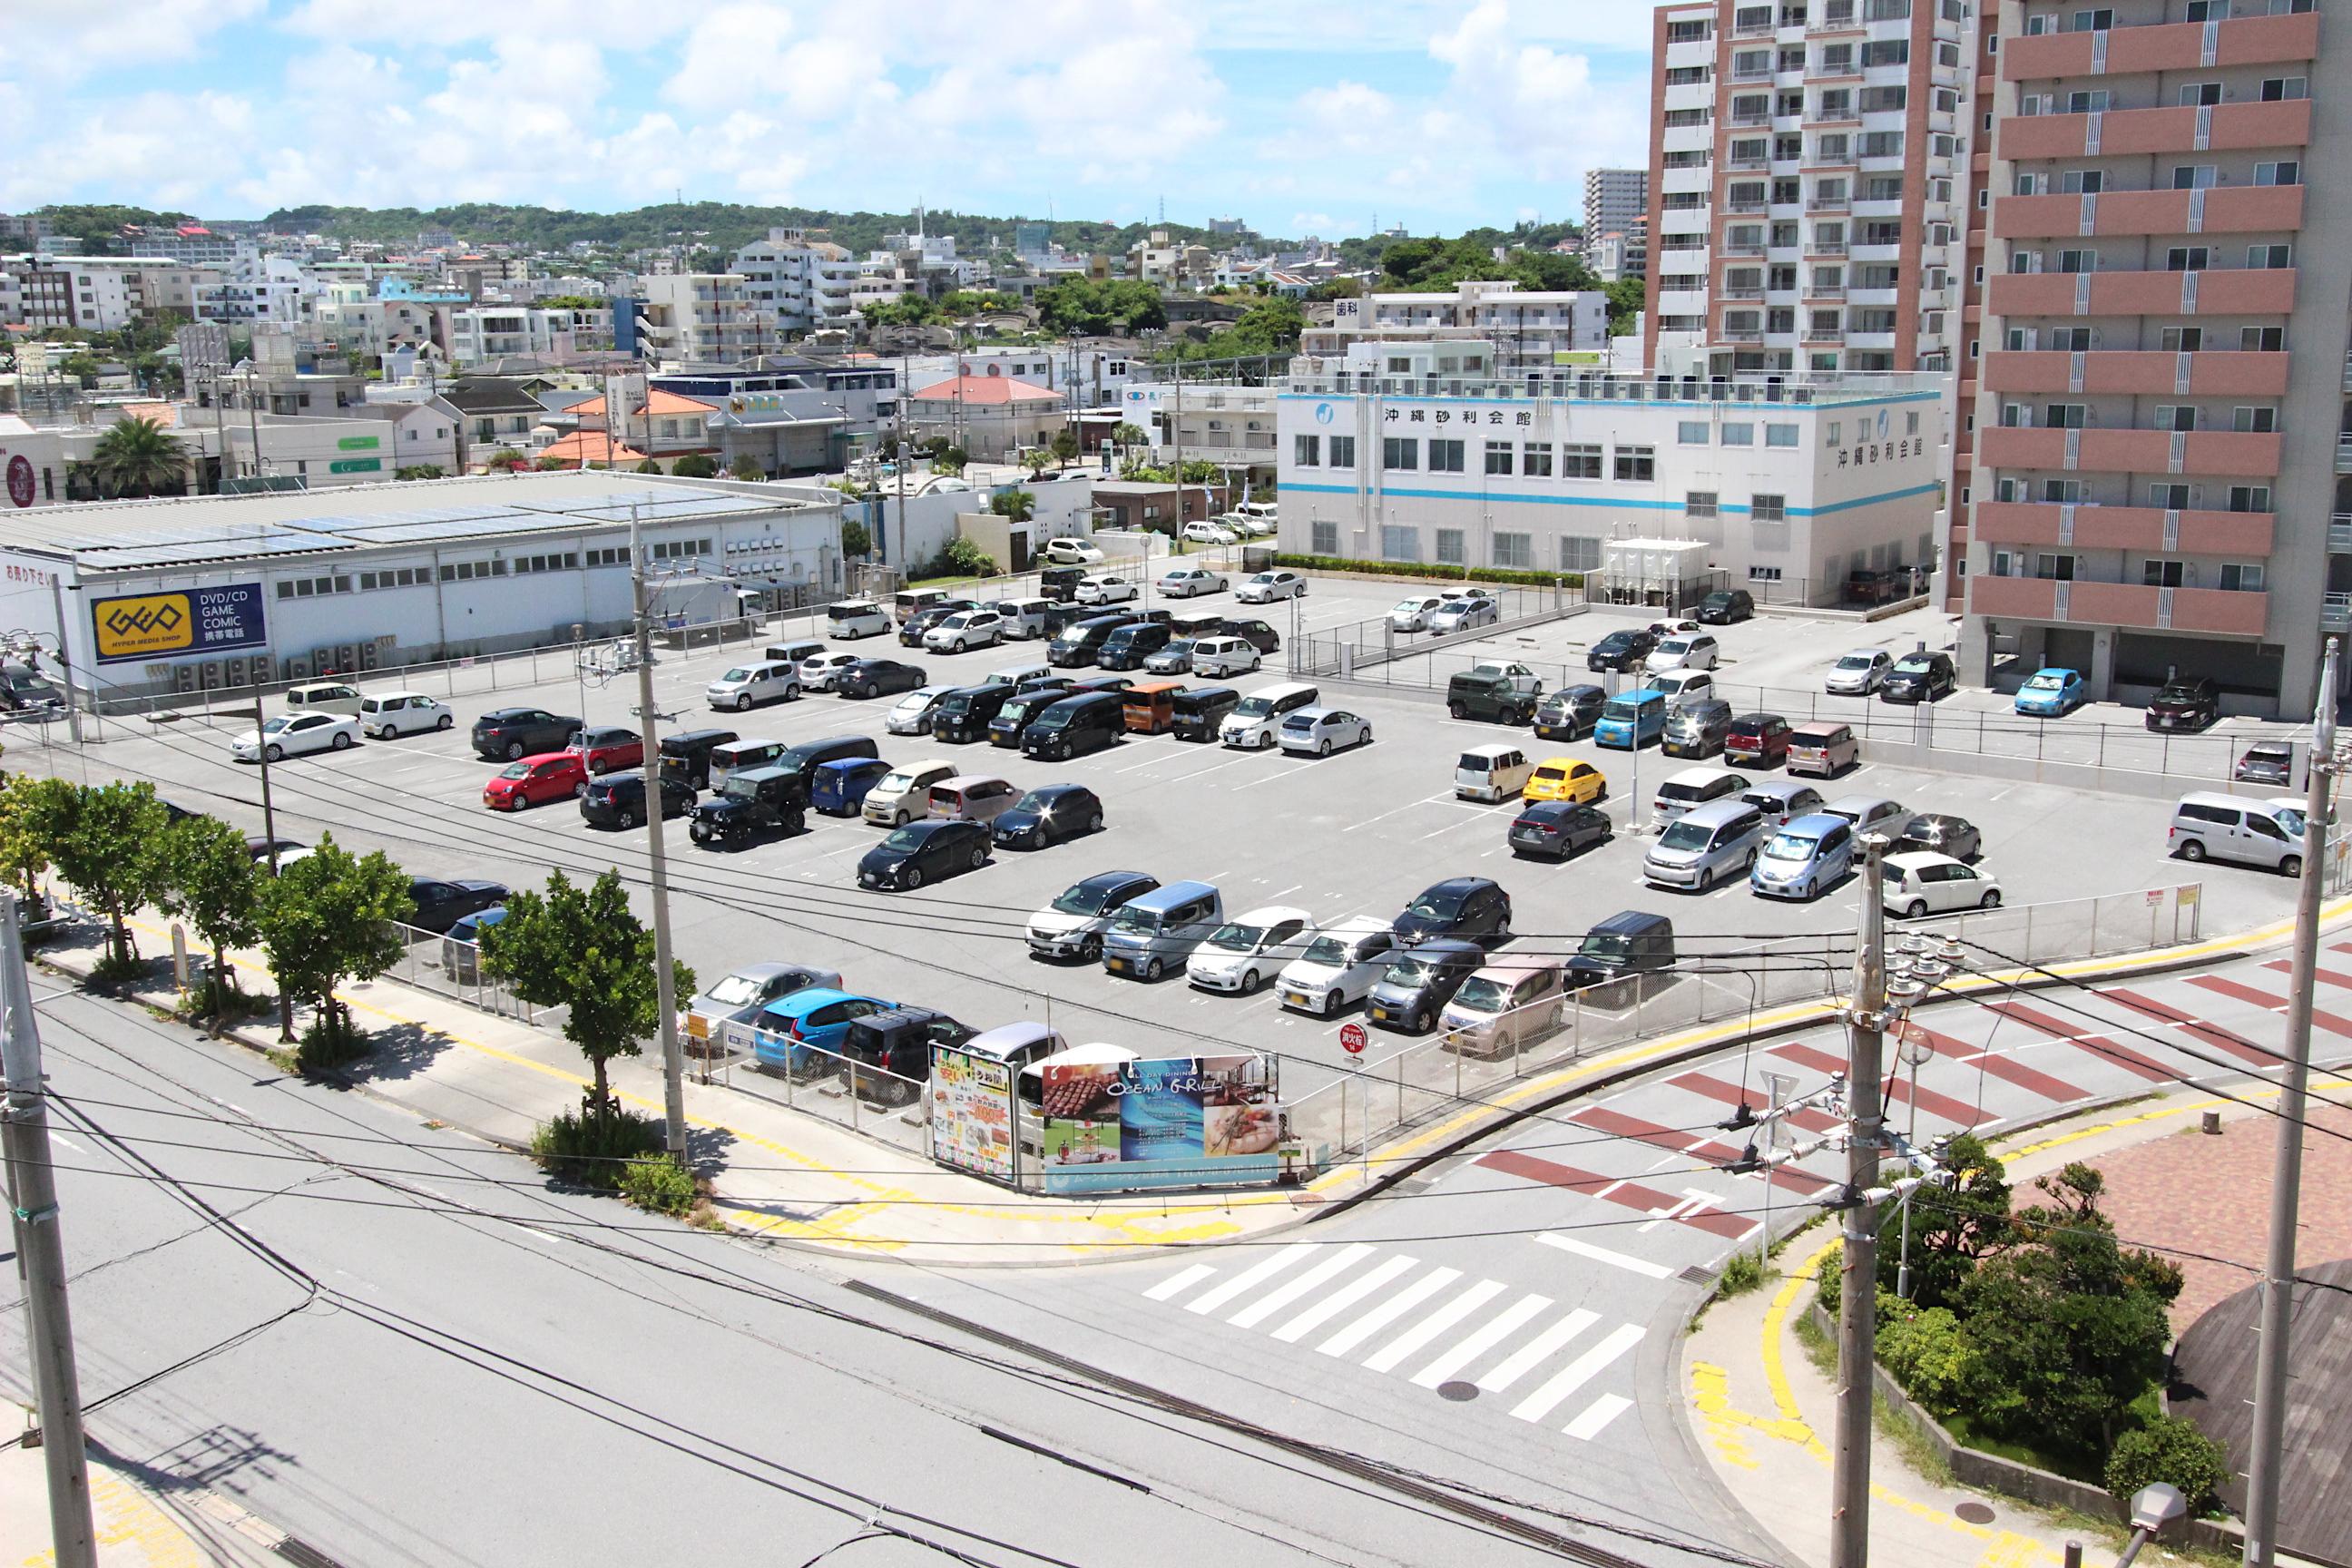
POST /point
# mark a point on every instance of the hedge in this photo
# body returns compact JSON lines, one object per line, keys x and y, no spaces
{"x":1436,"y":569}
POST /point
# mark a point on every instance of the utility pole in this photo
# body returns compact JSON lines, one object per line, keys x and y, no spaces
{"x":1858,"y":1297}
{"x":270,"y":836}
{"x":2271,"y":1372}
{"x":41,"y":1258}
{"x":665,"y":984}
{"x":906,"y":389}
{"x":65,"y":661}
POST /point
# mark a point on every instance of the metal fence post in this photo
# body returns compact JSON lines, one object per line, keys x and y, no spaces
{"x":2095,"y":928}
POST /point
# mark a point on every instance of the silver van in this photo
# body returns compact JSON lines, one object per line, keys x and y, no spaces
{"x":1704,"y":846}
{"x":1018,"y":675}
{"x":1024,"y":617}
{"x":1783,"y":800}
{"x":1803,"y":857}
{"x":1254,"y":724}
{"x":1157,"y":931}
{"x":1692,"y":788}
{"x":2251,"y":832}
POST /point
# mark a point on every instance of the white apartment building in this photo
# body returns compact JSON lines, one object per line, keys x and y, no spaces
{"x":492,"y":331}
{"x":698,"y":318}
{"x":1810,"y":185}
{"x":794,"y":284}
{"x":101,"y":293}
{"x":1530,"y":330}
{"x":193,"y":245}
{"x":1758,"y":483}
{"x":263,"y":290}
{"x":1614,"y":200}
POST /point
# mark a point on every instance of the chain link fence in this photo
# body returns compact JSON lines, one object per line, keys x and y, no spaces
{"x":446,"y":966}
{"x":1367,"y":649}
{"x":863,"y":1096}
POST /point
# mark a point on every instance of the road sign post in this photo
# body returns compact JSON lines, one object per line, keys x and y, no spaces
{"x":1353,"y":1039}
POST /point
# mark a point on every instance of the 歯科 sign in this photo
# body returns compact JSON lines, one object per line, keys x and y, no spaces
{"x":226,"y":619}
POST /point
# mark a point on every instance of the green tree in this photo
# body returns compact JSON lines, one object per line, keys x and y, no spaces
{"x":1126,"y":435}
{"x":581,"y":949}
{"x":83,"y":367}
{"x":961,"y":557}
{"x":747,"y":468}
{"x":30,"y":810}
{"x":1926,"y":1350}
{"x":546,"y":464}
{"x":508,"y":458}
{"x":856,"y":542}
{"x":140,"y":457}
{"x":1626,"y":299}
{"x":1066,"y":446}
{"x":103,"y":844}
{"x":2171,"y":1449}
{"x":212,"y":882}
{"x":331,"y":917}
{"x":1018,"y":505}
{"x":649,"y":466}
{"x":1081,"y":307}
{"x":418,"y":471}
{"x":696,"y":466}
{"x":906,"y":310}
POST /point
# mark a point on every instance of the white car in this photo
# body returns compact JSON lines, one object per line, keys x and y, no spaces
{"x":966,"y":629}
{"x":1104,"y":589}
{"x":1184,"y":581}
{"x":1337,"y":967}
{"x":1256,"y":519}
{"x":1320,"y":731}
{"x":1267,"y":586}
{"x":1071,"y":552}
{"x":1221,"y":656}
{"x":911,"y":714}
{"x":1684,"y":688}
{"x":292,"y":734}
{"x":746,"y":684}
{"x":1250,"y":949}
{"x":1684,"y":650}
{"x":389,"y":713}
{"x":1922,"y":882}
{"x":1472,"y":609}
{"x":818,"y":673}
{"x":1413,"y":615}
{"x":1209,"y":534}
{"x":1859,"y":673}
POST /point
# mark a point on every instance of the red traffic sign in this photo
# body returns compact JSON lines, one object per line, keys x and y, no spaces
{"x":1352,"y":1039}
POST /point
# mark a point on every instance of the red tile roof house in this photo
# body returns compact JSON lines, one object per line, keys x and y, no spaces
{"x":989,"y":416}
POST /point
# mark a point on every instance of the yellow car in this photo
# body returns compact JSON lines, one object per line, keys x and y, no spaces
{"x":1565,"y":778}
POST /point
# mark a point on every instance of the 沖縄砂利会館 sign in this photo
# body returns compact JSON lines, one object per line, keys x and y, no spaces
{"x":226,"y":619}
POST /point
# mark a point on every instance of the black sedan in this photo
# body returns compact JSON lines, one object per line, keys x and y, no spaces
{"x":1556,"y":830}
{"x":928,"y":851}
{"x":1049,"y":816}
{"x":1953,"y":836}
{"x":515,"y":734}
{"x":1570,"y":712}
{"x":1620,"y":651}
{"x":878,"y":677}
{"x":442,"y":904}
{"x":2186,"y":703}
{"x":618,"y":800}
{"x":1474,"y":908}
{"x":1921,"y":677}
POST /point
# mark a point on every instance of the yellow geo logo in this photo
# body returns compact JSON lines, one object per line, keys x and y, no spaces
{"x":157,"y":623}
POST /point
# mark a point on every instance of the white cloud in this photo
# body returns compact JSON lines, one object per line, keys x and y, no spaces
{"x":75,"y":39}
{"x":733,"y":54}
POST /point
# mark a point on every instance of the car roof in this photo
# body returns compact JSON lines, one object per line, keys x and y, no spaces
{"x":1859,"y":802}
{"x":766,"y":970}
{"x":1552,"y":807}
{"x":1864,"y":653}
{"x":1456,"y":885}
{"x":1813,"y":824}
{"x":1448,"y":947}
{"x":841,"y":765}
{"x":1630,"y":920}
{"x":699,"y":738}
{"x":1492,"y":749}
{"x":1168,"y":893}
{"x":1356,"y":925}
{"x":1113,"y":878}
{"x":2058,"y":669}
{"x":1699,"y":775}
{"x":1782,"y":789}
{"x":966,"y":781}
{"x":1913,"y":859}
{"x":1758,"y":719}
{"x":926,"y":764}
{"x":1060,"y":791}
{"x":1271,"y":914}
{"x":809,"y":998}
{"x":471,"y":884}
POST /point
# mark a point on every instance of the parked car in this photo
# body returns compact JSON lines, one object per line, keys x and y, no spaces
{"x":1320,"y":731}
{"x":1256,"y":719}
{"x":1189,"y":582}
{"x":1176,"y":658}
{"x":1684,"y":687}
{"x":1697,"y":728}
{"x":686,"y":755}
{"x":1783,"y":800}
{"x":2185,"y":702}
{"x":1074,"y":725}
{"x":972,"y":797}
{"x":1825,"y":748}
{"x":808,"y":756}
{"x":1247,"y":951}
{"x":1920,"y":882}
{"x":1859,"y":673}
{"x":1072,"y":926}
{"x":746,"y":685}
{"x":1411,"y":615}
{"x":2266,"y":763}
{"x":1691,"y":788}
{"x":618,"y":800}
{"x":911,"y":714}
{"x":877,"y":678}
{"x":1081,"y":642}
{"x":1070,"y":552}
{"x":1207,"y":533}
{"x":1419,"y":981}
{"x":1724,"y":605}
{"x":1565,"y":778}
{"x":841,"y":786}
{"x":607,"y":748}
{"x":2051,"y":693}
{"x":1024,"y":618}
{"x":1707,"y":845}
{"x":2252,"y":832}
{"x":752,"y":804}
{"x":1682,"y":650}
{"x":1628,"y":944}
{"x":1620,"y":651}
{"x":931,"y":850}
{"x":1759,"y":739}
{"x":1220,"y":657}
{"x":964,"y":715}
{"x":1021,"y":677}
{"x":440,"y":903}
{"x":795,"y":652}
{"x":1491,"y":773}
{"x":1936,"y":832}
{"x":1632,"y":720}
{"x":1157,"y":931}
{"x":964,"y":630}
{"x":1339,"y":966}
{"x":1921,"y":677}
{"x":1570,"y":712}
{"x":389,"y":713}
{"x":1197,"y":713}
{"x":851,"y":619}
{"x":731,"y":757}
{"x":1004,"y":728}
{"x":1868,"y":587}
{"x":1103,"y":588}
{"x":461,"y":946}
{"x":1492,"y":695}
{"x":741,"y":993}
{"x":1474,"y":908}
{"x":915,"y":629}
{"x":324,"y":697}
{"x":24,"y":690}
{"x":515,"y":734}
{"x":1049,"y":815}
{"x":802,"y":1032}
{"x":1804,"y":858}
{"x":1556,"y":830}
{"x":904,"y":794}
{"x":1267,"y":586}
{"x":817,"y":672}
{"x":1504,"y":1007}
{"x":890,"y":1053}
{"x":1127,"y":647}
{"x":1870,"y":813}
{"x":535,"y":781}
{"x":1256,"y":633}
{"x":295,"y":734}
{"x":1475,"y":609}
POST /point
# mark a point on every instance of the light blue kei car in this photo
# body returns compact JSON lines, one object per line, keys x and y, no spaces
{"x":2051,"y":693}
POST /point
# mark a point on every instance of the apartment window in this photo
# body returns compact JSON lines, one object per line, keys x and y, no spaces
{"x":1323,"y":538}
{"x":1767,"y":509}
{"x":1499,"y":456}
{"x":2249,"y":498}
{"x":2181,"y":339}
{"x":312,"y":587}
{"x":2285,"y":174}
{"x":2270,"y":258}
{"x":1881,"y":144}
{"x":1445,"y":457}
{"x":1343,"y":451}
{"x":2261,"y":340}
{"x":2192,"y":176}
{"x":2098,"y":21}
{"x":2053,"y":568}
{"x":2208,"y":11}
{"x":1636,"y":464}
{"x":1699,"y":503}
{"x":2082,"y":182}
{"x":1516,"y":551}
{"x":2284,"y":88}
{"x":1399,"y":542}
{"x":2060,"y":492}
{"x":1306,"y":451}
{"x":1578,"y":553}
{"x":2261,"y":421}
{"x":2076,"y":261}
{"x":2199,"y":94}
{"x":1779,"y":435}
{"x":2188,"y":258}
{"x":1886,"y":52}
{"x":2091,"y":101}
{"x":2168,"y":497}
{"x":615,"y":556}
{"x":2163,"y":574}
{"x":1449,"y":547}
{"x":1400,"y":452}
{"x":1687,"y":32}
{"x":1580,"y":460}
{"x":2242,"y":577}
{"x":2170,"y":417}
{"x":1535,"y":462}
{"x":2065,"y":416}
{"x":1763,"y":574}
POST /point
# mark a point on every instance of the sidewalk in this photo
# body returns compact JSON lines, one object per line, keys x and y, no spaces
{"x":138,"y":1525}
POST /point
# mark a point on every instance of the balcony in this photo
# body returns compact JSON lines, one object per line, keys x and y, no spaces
{"x":2227,"y":209}
{"x":2131,"y":528}
{"x":1837,"y":291}
{"x":1837,"y":247}
{"x":2339,"y":534}
{"x":2234,"y":127}
{"x":2130,"y":604}
{"x":2217,"y":374}
{"x":1828,"y":205}
{"x":2163,"y":47}
{"x":2336,"y":613}
{"x":1743,"y":292}
{"x":2219,"y":453}
{"x":2234,"y":291}
{"x":1824,"y":334}
{"x":2344,"y":453}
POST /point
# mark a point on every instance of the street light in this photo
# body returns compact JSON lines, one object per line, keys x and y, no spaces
{"x":2154,"y":1506}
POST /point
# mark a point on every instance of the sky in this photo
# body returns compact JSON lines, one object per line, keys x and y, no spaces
{"x":1329,"y":117}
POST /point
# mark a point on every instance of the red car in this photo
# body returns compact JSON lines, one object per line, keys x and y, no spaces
{"x":535,"y":781}
{"x":607,"y":748}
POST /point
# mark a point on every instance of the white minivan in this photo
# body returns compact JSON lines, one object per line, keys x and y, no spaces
{"x":1024,"y":618}
{"x":746,"y":685}
{"x":856,"y":618}
{"x":1494,"y":772}
{"x":2252,"y":832}
{"x":323,"y":697}
{"x":1258,"y":721}
{"x":1222,"y":655}
{"x":384,"y":714}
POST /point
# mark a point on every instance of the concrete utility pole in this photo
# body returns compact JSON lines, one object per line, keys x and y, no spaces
{"x":41,"y":1258}
{"x":1858,"y":1297}
{"x":665,"y":984}
{"x":65,"y":661}
{"x":270,"y":834}
{"x":2271,"y":1373}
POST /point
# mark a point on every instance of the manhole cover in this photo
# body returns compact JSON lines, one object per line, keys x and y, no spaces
{"x":1458,"y":1390}
{"x":1975,"y":1513}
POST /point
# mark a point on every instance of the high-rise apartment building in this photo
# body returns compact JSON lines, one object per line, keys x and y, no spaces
{"x":1809,"y":184}
{"x":1614,"y":201}
{"x":2161,"y":375}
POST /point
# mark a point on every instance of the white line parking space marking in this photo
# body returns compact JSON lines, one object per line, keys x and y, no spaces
{"x":1283,"y":1295}
{"x":1388,"y":1356}
{"x":1388,"y":1311}
{"x":1641,"y":1265}
{"x":1266,"y":1268}
{"x":1469,"y":1350}
{"x":1537,"y":1350}
{"x":1578,"y":1372}
{"x":1177,"y":1284}
{"x":1596,"y":1415}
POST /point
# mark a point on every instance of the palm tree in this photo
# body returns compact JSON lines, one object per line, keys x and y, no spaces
{"x":139,"y":457}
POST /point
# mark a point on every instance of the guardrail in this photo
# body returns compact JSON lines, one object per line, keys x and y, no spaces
{"x":434,"y":961}
{"x":1342,"y":652}
{"x":863,"y":1096}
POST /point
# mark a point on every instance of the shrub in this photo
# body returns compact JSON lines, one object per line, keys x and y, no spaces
{"x":1435,"y":569}
{"x":658,"y":1182}
{"x":2170,"y":1449}
{"x":1741,"y":1274}
{"x":695,"y":466}
{"x":594,"y":1146}
{"x":962,"y":557}
{"x":1926,"y":1350}
{"x":330,"y":1042}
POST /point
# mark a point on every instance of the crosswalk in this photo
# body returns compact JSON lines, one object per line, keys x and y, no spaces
{"x":1432,"y":1325}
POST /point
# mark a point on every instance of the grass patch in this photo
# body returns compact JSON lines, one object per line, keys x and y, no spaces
{"x":1917,"y":1450}
{"x":1741,"y":1274}
{"x":329,"y":1043}
{"x":1819,"y":1344}
{"x":596,"y":1147}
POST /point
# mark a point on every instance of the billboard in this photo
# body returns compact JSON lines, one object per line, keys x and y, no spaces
{"x":1184,"y":1121}
{"x":972,"y":1113}
{"x":226,"y":619}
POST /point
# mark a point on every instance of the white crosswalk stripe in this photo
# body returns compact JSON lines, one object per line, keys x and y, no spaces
{"x":1345,"y":1296}
{"x":1265,"y":1268}
{"x":1388,"y":1311}
{"x":1577,"y":1373}
{"x":1596,"y":1415}
{"x":1177,"y":1284}
{"x":1283,"y":1295}
{"x":1537,"y":1350}
{"x":1500,"y":1328}
{"x":1389,"y":1357}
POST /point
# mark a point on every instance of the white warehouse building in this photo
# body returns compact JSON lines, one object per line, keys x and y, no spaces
{"x":213,"y":592}
{"x":1791,"y":484}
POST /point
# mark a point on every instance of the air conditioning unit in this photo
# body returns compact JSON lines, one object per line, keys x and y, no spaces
{"x":371,"y":653}
{"x":298,"y":668}
{"x":183,"y":676}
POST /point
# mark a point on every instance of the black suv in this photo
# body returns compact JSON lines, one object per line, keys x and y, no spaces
{"x":1620,"y":651}
{"x":965,"y":713}
{"x":1128,"y":645}
{"x":1569,"y":713}
{"x":618,"y":800}
{"x":514,"y":733}
{"x":878,"y":677}
{"x":1471,"y":907}
{"x":1921,"y":677}
{"x":1633,"y":943}
{"x":687,"y":757}
{"x":1048,"y":814}
{"x":898,"y":1043}
{"x":440,"y":905}
{"x":754,"y":801}
{"x":1726,"y":605}
{"x":2187,"y":702}
{"x":1505,"y":699}
{"x":1013,"y":716}
{"x":1060,"y":583}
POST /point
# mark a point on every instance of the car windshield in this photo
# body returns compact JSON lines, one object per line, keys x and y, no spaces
{"x":1606,"y":944}
{"x":1181,"y":645}
{"x":738,"y":788}
{"x":1265,"y":577}
{"x":1913,"y":664}
{"x":1036,"y":801}
{"x":1237,"y":937}
{"x":1435,"y":905}
{"x":1612,"y":642}
{"x":898,"y":783}
{"x":1300,"y":721}
{"x":1131,"y":916}
{"x":1085,"y":898}
{"x":515,"y":770}
{"x":957,"y":705}
{"x":915,"y":700}
{"x":1857,"y":661}
{"x":2045,"y":683}
{"x":1620,"y":711}
{"x":2177,"y":693}
{"x":1789,"y":846}
{"x":1329,"y":950}
{"x":275,"y":725}
{"x":905,"y":838}
{"x":1481,"y":993}
{"x":1410,"y":972}
{"x":1683,"y":836}
{"x":735,"y":991}
{"x":1252,"y":708}
{"x":1410,"y":608}
{"x":2292,"y":820}
{"x":738,"y":673}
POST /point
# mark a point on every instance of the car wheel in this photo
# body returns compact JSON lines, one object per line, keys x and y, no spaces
{"x":343,"y":740}
{"x":2192,"y":851}
{"x":1151,"y":968}
{"x":1366,"y":738}
{"x":911,"y":878}
{"x":1992,"y":901}
{"x":1250,"y":981}
{"x":2290,"y":867}
{"x":1457,"y":711}
{"x":1417,"y":1022}
{"x":1090,"y":950}
{"x":743,"y":703}
{"x":1323,"y":748}
{"x":275,"y":754}
{"x":1809,"y":890}
{"x":1331,"y":1004}
{"x":626,"y":818}
{"x":580,"y":790}
{"x":1095,"y":823}
{"x":514,"y":750}
{"x":1915,"y":910}
{"x":979,"y":856}
{"x":445,"y":721}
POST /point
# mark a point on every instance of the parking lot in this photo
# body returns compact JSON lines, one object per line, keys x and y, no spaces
{"x":1356,"y":834}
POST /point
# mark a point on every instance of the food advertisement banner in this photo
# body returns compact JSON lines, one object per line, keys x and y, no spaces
{"x":1185,"y":1121}
{"x":972,"y":1113}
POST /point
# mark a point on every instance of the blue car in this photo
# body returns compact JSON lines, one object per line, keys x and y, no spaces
{"x":840,"y":788}
{"x":1632,"y":720}
{"x":2051,"y":693}
{"x":794,"y":1034}
{"x":462,"y":945}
